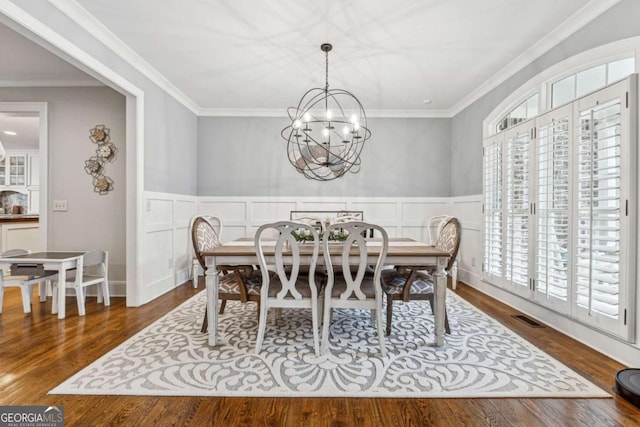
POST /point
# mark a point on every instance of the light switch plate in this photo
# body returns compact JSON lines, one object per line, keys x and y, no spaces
{"x":59,"y":205}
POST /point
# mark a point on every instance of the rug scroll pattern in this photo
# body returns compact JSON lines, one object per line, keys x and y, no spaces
{"x":481,"y":358}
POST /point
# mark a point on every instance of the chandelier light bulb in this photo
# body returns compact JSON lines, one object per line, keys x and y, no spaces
{"x":325,"y":132}
{"x":329,"y":115}
{"x":345,"y":130}
{"x":356,"y":126}
{"x":354,"y":119}
{"x":297,"y":124}
{"x":307,"y":117}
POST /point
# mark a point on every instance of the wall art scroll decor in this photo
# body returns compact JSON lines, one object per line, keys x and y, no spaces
{"x":105,"y":153}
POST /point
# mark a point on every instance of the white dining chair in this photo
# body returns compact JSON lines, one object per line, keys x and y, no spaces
{"x":92,"y":269}
{"x":290,"y":286}
{"x":24,"y":282}
{"x":352,"y":285}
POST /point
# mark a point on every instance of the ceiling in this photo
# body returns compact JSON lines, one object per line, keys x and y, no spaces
{"x":24,"y":63}
{"x":26,"y":127}
{"x":262,"y":56}
{"x":257,"y":54}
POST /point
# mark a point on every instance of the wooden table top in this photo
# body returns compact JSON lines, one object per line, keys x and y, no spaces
{"x":49,"y":255}
{"x":399,"y":246}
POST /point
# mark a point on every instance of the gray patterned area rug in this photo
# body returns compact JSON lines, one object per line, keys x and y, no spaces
{"x":481,"y":358}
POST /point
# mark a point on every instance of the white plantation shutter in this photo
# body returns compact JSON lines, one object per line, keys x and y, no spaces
{"x":516,"y":231}
{"x":552,"y":267}
{"x":600,"y":207}
{"x":492,"y":183}
{"x":557,"y":221}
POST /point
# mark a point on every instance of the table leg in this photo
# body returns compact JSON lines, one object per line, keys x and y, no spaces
{"x":62,"y":291}
{"x":439,"y":295}
{"x":212,"y":284}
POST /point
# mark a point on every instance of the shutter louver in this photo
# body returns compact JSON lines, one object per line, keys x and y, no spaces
{"x":598,"y":213}
{"x":552,"y":238}
{"x":517,"y":210}
{"x":493,"y":209}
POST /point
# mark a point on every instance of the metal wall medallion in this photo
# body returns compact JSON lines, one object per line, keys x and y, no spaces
{"x":105,"y":153}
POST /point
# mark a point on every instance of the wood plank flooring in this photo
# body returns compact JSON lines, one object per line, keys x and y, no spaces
{"x":38,"y":351}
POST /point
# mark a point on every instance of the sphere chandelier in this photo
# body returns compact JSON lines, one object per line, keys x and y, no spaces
{"x":327,"y":132}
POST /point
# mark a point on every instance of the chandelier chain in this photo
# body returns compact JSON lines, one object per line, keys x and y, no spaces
{"x":326,"y":71}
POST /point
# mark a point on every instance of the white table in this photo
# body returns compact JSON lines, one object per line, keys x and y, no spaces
{"x":58,"y":261}
{"x":401,"y":251}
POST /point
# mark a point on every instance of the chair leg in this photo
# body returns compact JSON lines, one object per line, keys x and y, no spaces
{"x":106,"y":294}
{"x":54,"y":299}
{"x":262,"y":326}
{"x":389,"y":313}
{"x":26,"y":298}
{"x":1,"y":297}
{"x":325,"y":327}
{"x":223,"y":304}
{"x":205,"y":324}
{"x":42,"y":290}
{"x":454,"y":275}
{"x":383,"y":350}
{"x":194,"y":274}
{"x":314,"y":323}
{"x":80,"y":292}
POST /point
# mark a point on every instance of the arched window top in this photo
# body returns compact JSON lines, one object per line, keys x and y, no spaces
{"x":564,"y":82}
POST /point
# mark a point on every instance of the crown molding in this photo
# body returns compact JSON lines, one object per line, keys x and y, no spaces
{"x":97,"y":29}
{"x":582,"y":17}
{"x":277,"y":112}
{"x":94,"y":27}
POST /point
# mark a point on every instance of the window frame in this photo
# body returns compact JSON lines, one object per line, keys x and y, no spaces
{"x":542,"y":82}
{"x":622,"y":326}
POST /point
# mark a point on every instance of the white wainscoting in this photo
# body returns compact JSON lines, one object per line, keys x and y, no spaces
{"x":406,"y":217}
{"x":167,"y":245}
{"x":468,"y":210}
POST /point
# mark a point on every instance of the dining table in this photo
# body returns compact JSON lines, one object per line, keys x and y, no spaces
{"x":45,"y":261}
{"x":401,"y":251}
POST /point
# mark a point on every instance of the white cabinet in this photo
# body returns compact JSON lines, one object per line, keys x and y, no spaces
{"x":33,"y":170}
{"x":20,"y":235}
{"x":33,"y":196}
{"x":17,"y":170}
{"x":13,"y":170}
{"x":20,"y":169}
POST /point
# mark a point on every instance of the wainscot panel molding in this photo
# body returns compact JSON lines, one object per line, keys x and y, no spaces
{"x":166,"y":254}
{"x":407,"y":217}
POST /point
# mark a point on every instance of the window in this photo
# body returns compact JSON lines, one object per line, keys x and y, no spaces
{"x":524,"y":111}
{"x":583,"y":82}
{"x":561,"y":236}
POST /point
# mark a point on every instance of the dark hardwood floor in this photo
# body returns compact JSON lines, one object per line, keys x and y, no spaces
{"x":38,"y":351}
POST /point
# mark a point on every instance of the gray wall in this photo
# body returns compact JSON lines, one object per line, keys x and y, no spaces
{"x":246,"y":156}
{"x":170,"y":128}
{"x":620,"y":22}
{"x":92,"y":221}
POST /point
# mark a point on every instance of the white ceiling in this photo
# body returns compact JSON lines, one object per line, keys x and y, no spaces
{"x":258,"y":54}
{"x":24,"y":63}
{"x":26,"y":127}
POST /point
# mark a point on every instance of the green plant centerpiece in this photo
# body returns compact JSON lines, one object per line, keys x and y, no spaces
{"x":302,"y":235}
